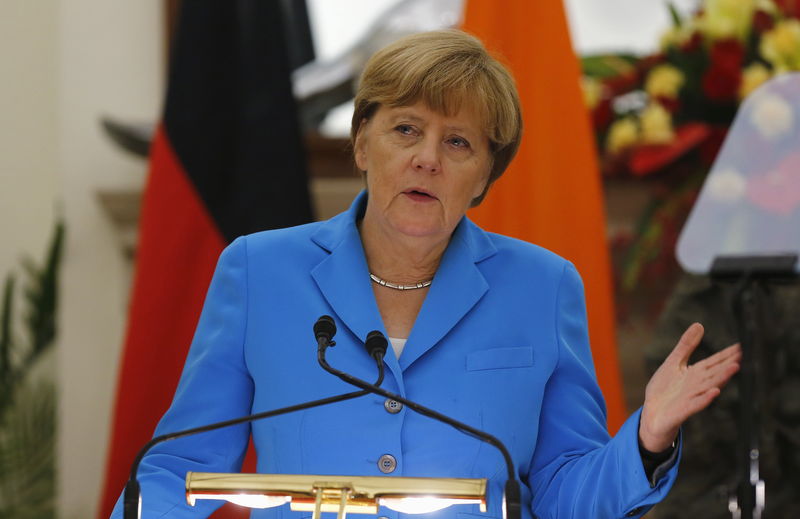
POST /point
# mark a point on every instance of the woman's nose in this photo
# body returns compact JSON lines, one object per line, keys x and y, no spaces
{"x":426,"y":157}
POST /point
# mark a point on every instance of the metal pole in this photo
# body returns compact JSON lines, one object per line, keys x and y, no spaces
{"x":748,"y":503}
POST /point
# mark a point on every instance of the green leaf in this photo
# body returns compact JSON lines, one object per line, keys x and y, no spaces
{"x":608,"y":65}
{"x":27,"y":454}
{"x":41,"y":294}
{"x":6,"y":342}
{"x":677,"y":21}
{"x":28,"y":411}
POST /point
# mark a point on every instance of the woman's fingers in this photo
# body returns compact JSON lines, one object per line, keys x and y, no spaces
{"x":687,"y":343}
{"x":734,"y":351}
{"x":715,"y":377}
{"x":703,"y":400}
{"x":721,"y":373}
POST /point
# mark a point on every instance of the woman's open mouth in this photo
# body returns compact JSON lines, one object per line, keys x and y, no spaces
{"x":419,"y":195}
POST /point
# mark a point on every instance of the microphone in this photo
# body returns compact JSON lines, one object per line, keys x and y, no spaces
{"x":324,"y":330}
{"x":376,"y":345}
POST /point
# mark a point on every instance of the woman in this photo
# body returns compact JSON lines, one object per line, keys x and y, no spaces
{"x":484,"y":328}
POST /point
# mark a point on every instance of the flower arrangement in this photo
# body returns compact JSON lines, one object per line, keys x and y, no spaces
{"x":652,"y":111}
{"x":662,"y":118}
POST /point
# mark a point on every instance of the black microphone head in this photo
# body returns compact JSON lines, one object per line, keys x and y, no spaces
{"x":324,"y":327}
{"x":376,"y":344}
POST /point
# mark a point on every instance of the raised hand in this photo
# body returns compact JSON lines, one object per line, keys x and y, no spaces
{"x":678,"y":390}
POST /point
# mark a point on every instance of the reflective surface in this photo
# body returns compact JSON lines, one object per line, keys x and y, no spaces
{"x":750,"y":202}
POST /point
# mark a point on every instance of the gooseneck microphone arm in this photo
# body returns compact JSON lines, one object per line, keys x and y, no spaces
{"x":376,"y":345}
{"x":132,"y":493}
{"x":372,"y":388}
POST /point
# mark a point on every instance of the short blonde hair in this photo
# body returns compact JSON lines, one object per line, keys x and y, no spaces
{"x":445,"y":70}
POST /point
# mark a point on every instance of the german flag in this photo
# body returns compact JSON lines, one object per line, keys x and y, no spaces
{"x":227,"y":159}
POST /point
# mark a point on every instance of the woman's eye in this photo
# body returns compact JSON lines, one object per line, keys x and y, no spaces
{"x":459,"y":142}
{"x":405,"y":129}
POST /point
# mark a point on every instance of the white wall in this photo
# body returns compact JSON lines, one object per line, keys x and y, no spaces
{"x":109,"y":62}
{"x":28,"y":153}
{"x":620,"y":25}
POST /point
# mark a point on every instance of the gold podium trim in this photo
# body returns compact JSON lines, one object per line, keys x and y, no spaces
{"x":340,"y":494}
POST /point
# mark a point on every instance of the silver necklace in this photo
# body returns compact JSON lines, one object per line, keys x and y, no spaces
{"x":382,"y":282}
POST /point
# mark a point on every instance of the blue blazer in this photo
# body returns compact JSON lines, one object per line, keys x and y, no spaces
{"x":500,"y":343}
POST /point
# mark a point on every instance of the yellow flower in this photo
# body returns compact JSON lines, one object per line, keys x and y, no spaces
{"x":675,"y":36}
{"x":753,"y":77}
{"x":656,"y":125}
{"x":781,"y":46}
{"x":727,"y":19}
{"x":664,"y":81}
{"x":768,"y":6}
{"x":622,"y":134}
{"x":592,"y":91}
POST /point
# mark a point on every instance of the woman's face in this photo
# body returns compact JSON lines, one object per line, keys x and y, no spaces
{"x":423,"y":168}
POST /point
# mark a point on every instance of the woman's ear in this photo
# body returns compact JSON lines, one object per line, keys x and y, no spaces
{"x":360,"y":146}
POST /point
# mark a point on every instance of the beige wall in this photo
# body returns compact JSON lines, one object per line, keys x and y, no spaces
{"x":28,"y":150}
{"x":109,"y":61}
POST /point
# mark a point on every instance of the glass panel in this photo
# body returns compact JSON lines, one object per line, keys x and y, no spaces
{"x":750,"y":202}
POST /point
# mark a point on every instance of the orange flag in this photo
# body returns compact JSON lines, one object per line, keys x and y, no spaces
{"x":551,"y":194}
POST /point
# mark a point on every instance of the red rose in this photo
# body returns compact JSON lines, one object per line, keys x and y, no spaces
{"x":672,"y":105}
{"x":623,"y":83}
{"x":790,"y":8}
{"x":762,"y":22}
{"x":646,"y":64}
{"x":694,"y":43}
{"x":721,"y":83}
{"x":602,"y":114}
{"x":728,"y":53}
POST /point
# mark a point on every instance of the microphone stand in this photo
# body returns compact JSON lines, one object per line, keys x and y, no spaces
{"x":376,"y":344}
{"x":512,"y":488}
{"x":132,"y":493}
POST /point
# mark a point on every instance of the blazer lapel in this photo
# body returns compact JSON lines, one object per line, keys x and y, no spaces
{"x":456,"y":288}
{"x":343,"y":279}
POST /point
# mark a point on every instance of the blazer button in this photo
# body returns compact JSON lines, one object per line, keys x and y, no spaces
{"x":636,"y":511}
{"x":387,"y":463}
{"x":393,"y":406}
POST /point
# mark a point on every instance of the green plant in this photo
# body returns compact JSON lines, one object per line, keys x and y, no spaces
{"x":27,"y":453}
{"x":27,"y":402}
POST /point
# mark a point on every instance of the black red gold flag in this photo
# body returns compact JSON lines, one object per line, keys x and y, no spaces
{"x":226,"y":160}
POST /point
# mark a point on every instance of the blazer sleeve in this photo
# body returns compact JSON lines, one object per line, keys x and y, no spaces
{"x":215,"y":385}
{"x":577,"y":471}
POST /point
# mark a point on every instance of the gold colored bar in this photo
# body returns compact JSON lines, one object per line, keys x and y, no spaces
{"x":364,"y":492}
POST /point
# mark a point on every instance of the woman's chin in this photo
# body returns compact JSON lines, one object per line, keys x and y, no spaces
{"x":420,"y":229}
